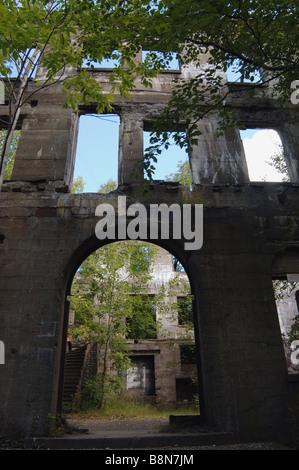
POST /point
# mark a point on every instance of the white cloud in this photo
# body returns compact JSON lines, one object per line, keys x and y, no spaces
{"x":258,"y":150}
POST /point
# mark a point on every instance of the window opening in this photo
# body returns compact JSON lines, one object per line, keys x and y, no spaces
{"x":172,"y":163}
{"x":264,"y":153}
{"x":108,"y":63}
{"x":173,"y":62}
{"x":233,"y":75}
{"x":286,"y":293}
{"x":97,"y":152}
{"x":142,"y":322}
{"x":188,"y":354}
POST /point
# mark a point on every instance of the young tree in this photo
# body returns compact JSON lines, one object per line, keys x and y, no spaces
{"x":78,"y":185}
{"x":182,"y":175}
{"x":257,"y":38}
{"x":112,"y":305}
{"x":60,"y":36}
{"x":104,"y":295}
{"x":278,"y":162}
{"x":11,"y":153}
{"x":105,"y":188}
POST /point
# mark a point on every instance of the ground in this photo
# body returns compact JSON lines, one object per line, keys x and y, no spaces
{"x":132,"y":426}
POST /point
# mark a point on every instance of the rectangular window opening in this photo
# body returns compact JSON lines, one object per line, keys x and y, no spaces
{"x":188,"y":354}
{"x":186,"y":390}
{"x":264,"y":155}
{"x":172,"y":163}
{"x":96,"y":164}
{"x":171,"y":62}
{"x":108,"y":63}
{"x":234,"y":75}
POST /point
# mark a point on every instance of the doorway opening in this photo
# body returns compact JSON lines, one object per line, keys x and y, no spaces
{"x":126,"y":332}
{"x":286,"y":294}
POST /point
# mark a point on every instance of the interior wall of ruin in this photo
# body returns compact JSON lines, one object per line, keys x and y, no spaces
{"x":46,"y":232}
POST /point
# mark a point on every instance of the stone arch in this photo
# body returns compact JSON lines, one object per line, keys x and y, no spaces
{"x":285,"y":272}
{"x":90,"y":245}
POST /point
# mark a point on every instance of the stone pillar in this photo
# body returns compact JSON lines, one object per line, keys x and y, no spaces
{"x":130,"y":147}
{"x":47,"y":146}
{"x":217,"y":159}
{"x":289,"y":134}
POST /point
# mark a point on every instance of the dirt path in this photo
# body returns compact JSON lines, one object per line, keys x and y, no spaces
{"x":119,"y":425}
{"x":132,"y":426}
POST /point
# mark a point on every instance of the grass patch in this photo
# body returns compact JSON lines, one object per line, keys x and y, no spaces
{"x":126,"y":407}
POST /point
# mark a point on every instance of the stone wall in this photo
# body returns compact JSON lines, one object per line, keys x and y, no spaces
{"x":46,"y":232}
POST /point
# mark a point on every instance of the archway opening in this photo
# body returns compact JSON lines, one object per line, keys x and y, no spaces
{"x":286,"y":293}
{"x":131,"y":332}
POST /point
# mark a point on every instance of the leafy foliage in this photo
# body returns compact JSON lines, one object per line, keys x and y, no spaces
{"x":107,"y":187}
{"x":252,"y":36}
{"x":60,"y":36}
{"x":142,"y":324}
{"x":78,"y":185}
{"x":12,"y":151}
{"x":278,"y":162}
{"x":182,"y":175}
{"x":105,"y":293}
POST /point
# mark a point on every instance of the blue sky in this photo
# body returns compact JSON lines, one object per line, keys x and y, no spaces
{"x":97,"y":150}
{"x":97,"y":153}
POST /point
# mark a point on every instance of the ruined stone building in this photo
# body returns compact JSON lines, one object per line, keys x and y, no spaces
{"x":46,"y":232}
{"x":164,"y":368}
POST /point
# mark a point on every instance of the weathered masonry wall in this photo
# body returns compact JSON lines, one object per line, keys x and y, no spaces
{"x":243,"y":367}
{"x":46,"y":232}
